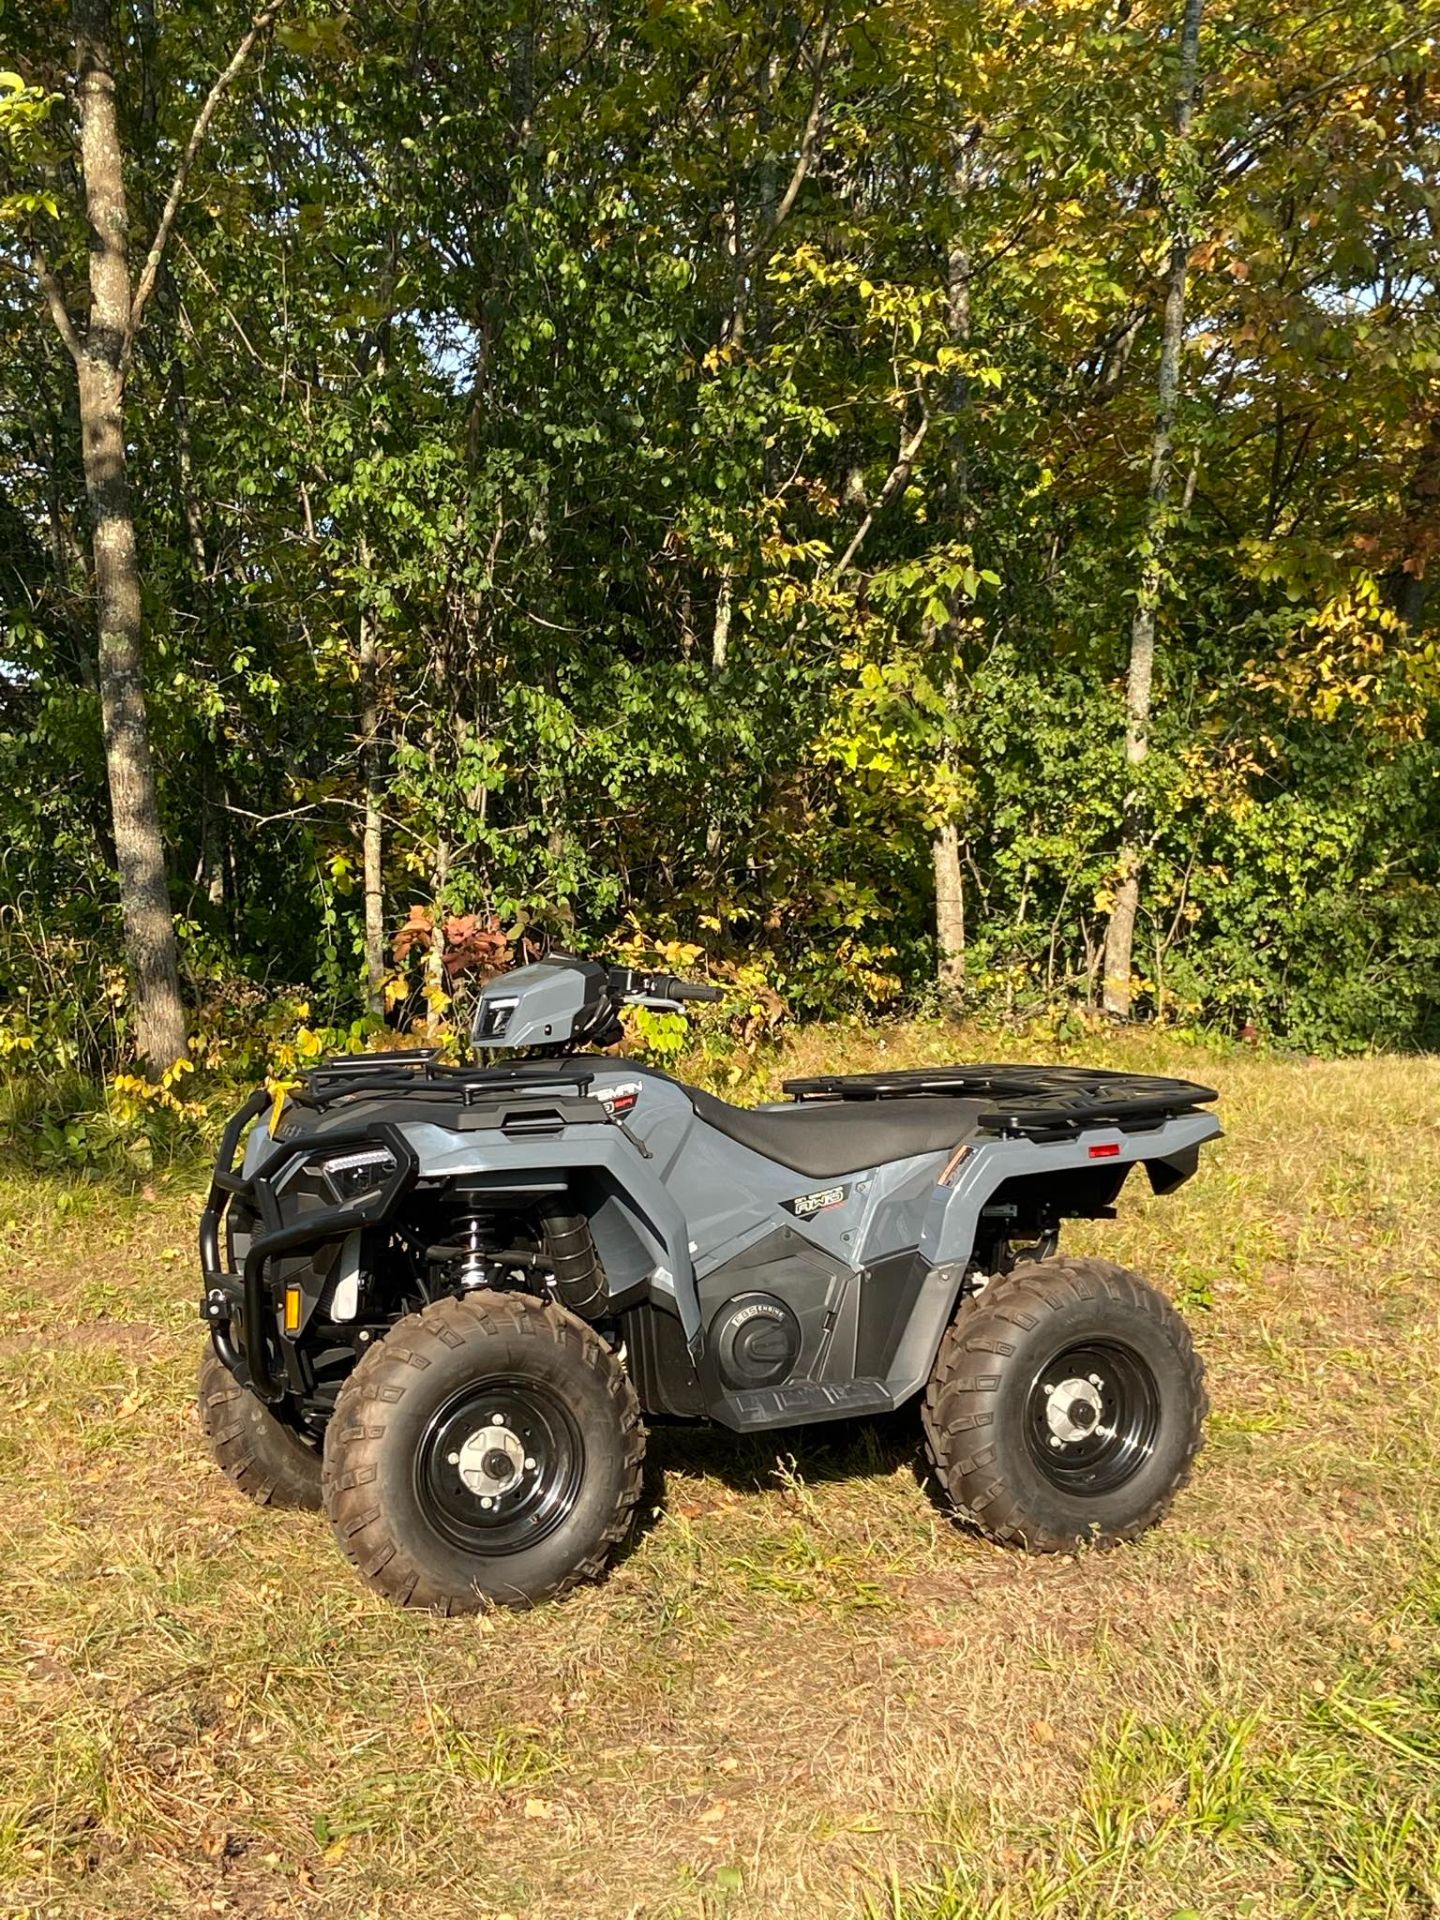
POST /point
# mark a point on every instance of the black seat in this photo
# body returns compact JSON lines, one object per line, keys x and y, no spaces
{"x":822,"y":1141}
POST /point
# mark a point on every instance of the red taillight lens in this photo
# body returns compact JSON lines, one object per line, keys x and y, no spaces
{"x":1107,"y":1150}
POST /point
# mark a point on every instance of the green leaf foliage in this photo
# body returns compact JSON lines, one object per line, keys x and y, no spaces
{"x":668,"y":461}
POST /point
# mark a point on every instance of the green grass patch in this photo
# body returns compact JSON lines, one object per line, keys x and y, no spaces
{"x":804,"y":1695}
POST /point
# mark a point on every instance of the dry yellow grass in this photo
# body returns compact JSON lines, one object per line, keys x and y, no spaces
{"x":803,"y":1693}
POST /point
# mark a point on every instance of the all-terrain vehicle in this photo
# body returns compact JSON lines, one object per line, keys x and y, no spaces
{"x":450,"y":1295}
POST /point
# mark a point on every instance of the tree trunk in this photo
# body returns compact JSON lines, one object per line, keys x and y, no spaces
{"x":724,"y":608}
{"x":1120,"y":932}
{"x":732,"y":334}
{"x":437,"y":1000}
{"x":140,"y":852}
{"x":945,"y":847}
{"x":372,"y":831}
{"x":212,"y":852}
{"x":949,"y":914}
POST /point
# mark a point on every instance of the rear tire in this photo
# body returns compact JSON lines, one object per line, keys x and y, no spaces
{"x":487,"y":1451}
{"x":1066,"y":1405}
{"x":267,"y":1460}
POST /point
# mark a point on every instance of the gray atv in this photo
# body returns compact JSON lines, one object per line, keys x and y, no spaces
{"x":443,"y":1300}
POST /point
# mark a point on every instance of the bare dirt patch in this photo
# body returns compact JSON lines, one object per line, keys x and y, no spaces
{"x":123,"y":1336}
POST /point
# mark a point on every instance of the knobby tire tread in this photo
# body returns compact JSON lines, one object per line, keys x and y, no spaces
{"x":356,"y":1433}
{"x":964,"y":1465}
{"x":268,"y":1463}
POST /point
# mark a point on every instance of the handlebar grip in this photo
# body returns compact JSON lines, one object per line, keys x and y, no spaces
{"x":673,"y":989}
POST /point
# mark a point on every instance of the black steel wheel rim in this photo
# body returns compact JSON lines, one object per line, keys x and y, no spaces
{"x":500,"y":1465}
{"x":1092,"y":1417}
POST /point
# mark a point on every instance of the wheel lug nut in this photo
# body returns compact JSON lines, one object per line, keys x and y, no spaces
{"x":486,"y":1501}
{"x":1047,"y":1388}
{"x":1055,"y":1440}
{"x":1096,"y":1381}
{"x":529,"y":1464}
{"x":454,"y":1459}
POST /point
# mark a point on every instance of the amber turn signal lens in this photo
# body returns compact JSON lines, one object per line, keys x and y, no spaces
{"x":292,"y":1309}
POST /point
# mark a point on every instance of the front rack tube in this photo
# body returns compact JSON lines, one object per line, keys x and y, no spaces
{"x":279,"y":1237}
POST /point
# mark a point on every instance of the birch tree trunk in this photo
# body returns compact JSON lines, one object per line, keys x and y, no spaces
{"x":949,"y":914}
{"x":373,"y":830}
{"x":733,"y":336}
{"x":437,"y":1000}
{"x":1116,"y":990}
{"x":100,"y":364}
{"x":945,"y":847}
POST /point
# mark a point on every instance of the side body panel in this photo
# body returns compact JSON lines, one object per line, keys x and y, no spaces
{"x":872,"y":1273}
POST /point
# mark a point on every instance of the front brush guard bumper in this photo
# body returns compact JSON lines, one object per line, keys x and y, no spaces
{"x":249,"y":1291}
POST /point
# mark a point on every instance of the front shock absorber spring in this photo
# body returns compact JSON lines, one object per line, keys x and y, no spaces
{"x":473,"y":1231}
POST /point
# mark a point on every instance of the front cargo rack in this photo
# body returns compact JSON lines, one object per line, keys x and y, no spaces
{"x":419,"y":1070}
{"x":1036,"y":1102}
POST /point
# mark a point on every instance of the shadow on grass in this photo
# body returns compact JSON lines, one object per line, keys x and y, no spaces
{"x":754,"y":1464}
{"x":757,"y":1462}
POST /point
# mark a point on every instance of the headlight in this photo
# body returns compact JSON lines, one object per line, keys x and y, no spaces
{"x":348,"y":1175}
{"x":491,"y":1019}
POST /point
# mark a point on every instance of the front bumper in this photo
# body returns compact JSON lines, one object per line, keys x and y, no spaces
{"x":240,"y":1307}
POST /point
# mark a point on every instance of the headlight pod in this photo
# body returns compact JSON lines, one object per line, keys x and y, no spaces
{"x":349,"y":1175}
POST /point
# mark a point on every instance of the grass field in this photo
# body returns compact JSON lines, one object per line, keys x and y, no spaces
{"x":804,"y":1692}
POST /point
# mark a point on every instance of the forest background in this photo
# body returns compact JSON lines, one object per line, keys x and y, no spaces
{"x":918,"y":503}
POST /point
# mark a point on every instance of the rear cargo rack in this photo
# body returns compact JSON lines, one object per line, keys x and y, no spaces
{"x":1034,"y":1102}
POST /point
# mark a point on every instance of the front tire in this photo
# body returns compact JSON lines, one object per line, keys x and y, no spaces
{"x":486,"y":1452}
{"x":267,"y":1460}
{"x":1066,"y":1405}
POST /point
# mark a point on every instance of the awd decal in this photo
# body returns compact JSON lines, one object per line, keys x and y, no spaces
{"x":805,"y":1205}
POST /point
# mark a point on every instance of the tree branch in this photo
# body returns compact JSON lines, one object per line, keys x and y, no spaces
{"x":898,"y":475}
{"x":151,"y":269}
{"x":1237,"y":156}
{"x":55,"y":300}
{"x":805,"y":158}
{"x":806,"y":155}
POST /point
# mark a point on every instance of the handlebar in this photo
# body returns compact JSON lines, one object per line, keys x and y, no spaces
{"x":634,"y":983}
{"x":669,"y":988}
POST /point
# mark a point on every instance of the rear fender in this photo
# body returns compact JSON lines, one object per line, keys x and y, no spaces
{"x":951,"y":1223}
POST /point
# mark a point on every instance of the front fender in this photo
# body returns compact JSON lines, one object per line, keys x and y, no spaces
{"x":639,"y":1231}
